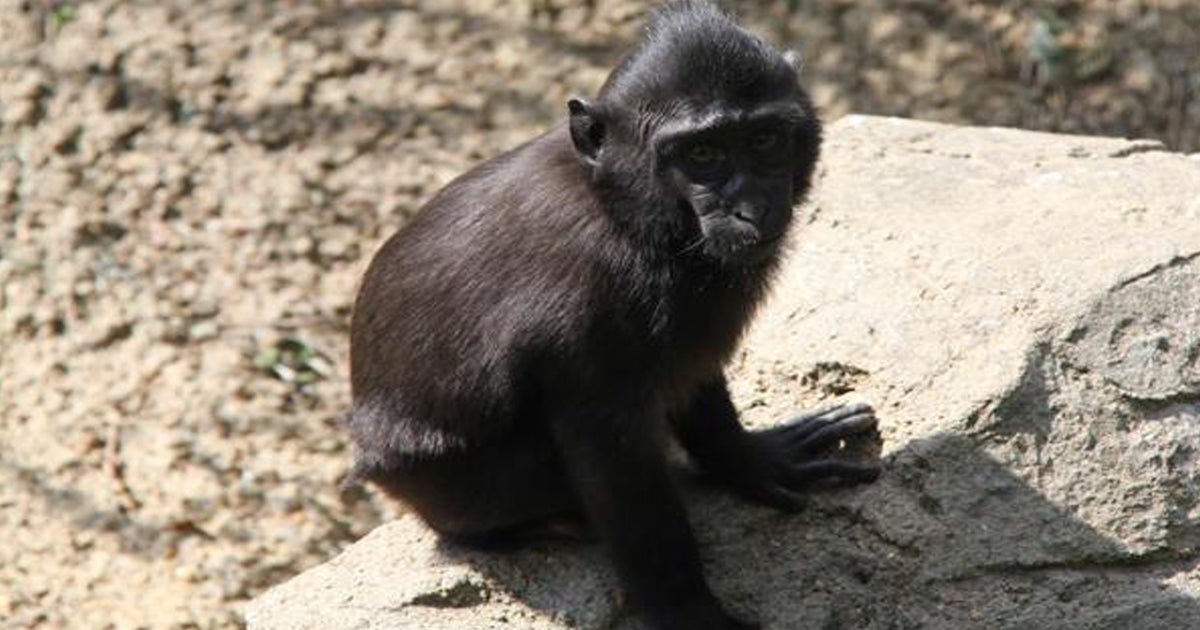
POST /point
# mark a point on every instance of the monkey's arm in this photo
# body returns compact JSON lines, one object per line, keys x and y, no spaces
{"x":615,"y":462}
{"x":774,"y":465}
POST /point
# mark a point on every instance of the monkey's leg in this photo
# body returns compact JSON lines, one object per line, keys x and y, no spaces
{"x":774,"y":465}
{"x":617,"y":464}
{"x":505,"y":493}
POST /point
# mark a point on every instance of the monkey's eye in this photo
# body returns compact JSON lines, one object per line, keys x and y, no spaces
{"x":704,"y":154}
{"x":764,"y":141}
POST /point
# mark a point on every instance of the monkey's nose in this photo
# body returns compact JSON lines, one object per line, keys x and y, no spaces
{"x":733,"y":186}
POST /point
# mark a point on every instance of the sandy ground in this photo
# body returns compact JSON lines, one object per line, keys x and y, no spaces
{"x":189,"y":192}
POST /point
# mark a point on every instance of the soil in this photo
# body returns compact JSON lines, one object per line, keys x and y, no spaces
{"x":190,"y":191}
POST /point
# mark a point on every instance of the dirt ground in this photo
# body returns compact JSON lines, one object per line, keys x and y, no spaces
{"x":189,"y":192}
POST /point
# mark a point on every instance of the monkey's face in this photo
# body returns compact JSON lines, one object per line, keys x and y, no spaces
{"x":735,"y":177}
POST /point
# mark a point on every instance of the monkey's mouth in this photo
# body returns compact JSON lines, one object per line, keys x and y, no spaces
{"x":742,"y":249}
{"x":770,"y":241}
{"x":728,"y":240}
{"x":757,"y":252}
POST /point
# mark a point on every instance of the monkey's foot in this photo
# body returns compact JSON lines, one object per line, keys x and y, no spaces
{"x":812,"y":448}
{"x":705,"y":614}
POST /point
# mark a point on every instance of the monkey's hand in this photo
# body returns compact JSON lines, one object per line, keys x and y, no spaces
{"x":785,"y":460}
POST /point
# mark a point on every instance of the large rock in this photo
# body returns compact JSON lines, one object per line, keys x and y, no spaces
{"x":1024,"y":311}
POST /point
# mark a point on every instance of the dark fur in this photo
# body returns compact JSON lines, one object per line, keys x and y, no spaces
{"x":525,"y":346}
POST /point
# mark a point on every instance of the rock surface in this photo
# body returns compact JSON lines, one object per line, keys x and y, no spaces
{"x":1023,"y":309}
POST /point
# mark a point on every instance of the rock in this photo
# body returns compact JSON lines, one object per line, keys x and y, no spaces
{"x":1023,"y":309}
{"x":539,"y":589}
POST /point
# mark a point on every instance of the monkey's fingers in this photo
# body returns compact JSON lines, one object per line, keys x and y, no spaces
{"x":804,"y":424}
{"x":825,"y":432}
{"x":801,"y":476}
{"x":823,"y":412}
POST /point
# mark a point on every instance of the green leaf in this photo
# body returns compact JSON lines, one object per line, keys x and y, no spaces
{"x":62,"y":15}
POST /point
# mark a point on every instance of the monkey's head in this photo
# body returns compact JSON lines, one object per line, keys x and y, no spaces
{"x":702,"y":136}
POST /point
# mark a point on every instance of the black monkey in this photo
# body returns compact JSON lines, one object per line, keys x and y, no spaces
{"x":524,"y":348}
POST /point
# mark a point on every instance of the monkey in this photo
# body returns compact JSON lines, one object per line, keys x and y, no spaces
{"x":528,"y":345}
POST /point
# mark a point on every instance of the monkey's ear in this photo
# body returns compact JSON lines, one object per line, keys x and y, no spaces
{"x":587,"y":130}
{"x":795,"y":59}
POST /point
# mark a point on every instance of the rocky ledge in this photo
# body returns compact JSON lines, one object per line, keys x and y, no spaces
{"x":1023,"y":309}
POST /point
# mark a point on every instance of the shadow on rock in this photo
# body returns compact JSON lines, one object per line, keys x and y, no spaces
{"x":948,"y":538}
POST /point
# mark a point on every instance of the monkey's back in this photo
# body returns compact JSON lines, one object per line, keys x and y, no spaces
{"x":460,"y":308}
